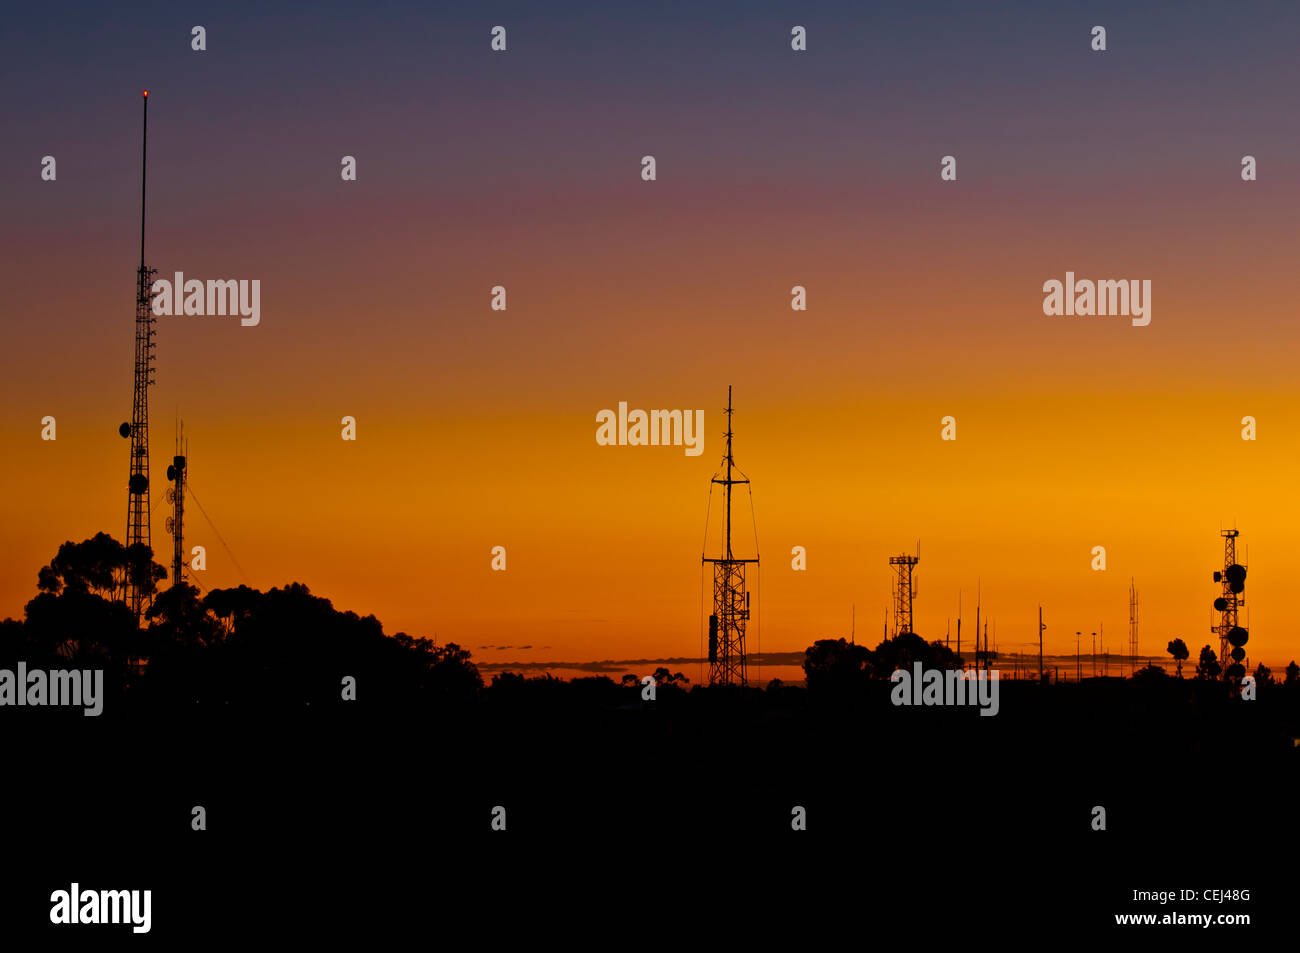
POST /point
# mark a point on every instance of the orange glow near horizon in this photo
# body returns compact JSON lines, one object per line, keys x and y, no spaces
{"x":476,"y":428}
{"x":604,"y":543}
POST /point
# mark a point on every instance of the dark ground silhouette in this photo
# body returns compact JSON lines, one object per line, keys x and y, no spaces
{"x":240,"y":709}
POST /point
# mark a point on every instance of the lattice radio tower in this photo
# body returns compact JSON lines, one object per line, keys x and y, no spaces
{"x":1132,"y":625}
{"x":730,"y":597}
{"x":904,"y":592}
{"x":138,"y":583}
{"x":1233,"y":578}
{"x":176,"y":474}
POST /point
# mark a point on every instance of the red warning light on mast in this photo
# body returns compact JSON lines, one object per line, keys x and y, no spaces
{"x":146,"y":94}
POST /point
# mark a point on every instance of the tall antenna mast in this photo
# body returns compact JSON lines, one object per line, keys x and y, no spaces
{"x":958,"y":623}
{"x":1132,"y":625}
{"x":1041,"y":627}
{"x":176,"y":474}
{"x":144,"y":168}
{"x":730,"y":597}
{"x":904,"y":591}
{"x":138,"y":584}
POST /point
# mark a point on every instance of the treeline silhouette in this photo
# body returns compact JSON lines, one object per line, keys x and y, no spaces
{"x":228,"y":646}
{"x":288,"y":647}
{"x":233,"y":699}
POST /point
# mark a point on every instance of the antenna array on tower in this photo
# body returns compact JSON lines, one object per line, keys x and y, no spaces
{"x":904,"y":592}
{"x":727,"y":623}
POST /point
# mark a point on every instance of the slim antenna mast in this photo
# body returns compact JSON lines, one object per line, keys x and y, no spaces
{"x":144,"y":169}
{"x":138,"y":584}
{"x":176,"y":474}
{"x":730,"y":598}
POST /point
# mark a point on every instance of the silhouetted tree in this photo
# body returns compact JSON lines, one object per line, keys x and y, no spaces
{"x":289,"y":646}
{"x":74,"y":617}
{"x":179,"y":616}
{"x":834,"y":665}
{"x":94,"y":565}
{"x":1263,"y":675}
{"x":143,"y":571}
{"x":593,"y":691}
{"x":663,"y":677}
{"x":232,"y":606}
{"x":1208,"y":666}
{"x":513,"y":690}
{"x":180,"y":645}
{"x":452,"y":677}
{"x":13,"y":643}
{"x":907,"y":648}
{"x":1292,"y":673}
{"x":1150,"y":674}
{"x":1178,"y":649}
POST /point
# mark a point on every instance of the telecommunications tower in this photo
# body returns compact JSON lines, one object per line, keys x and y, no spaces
{"x":1230,"y":632}
{"x":904,"y":592}
{"x":730,"y":596}
{"x":176,"y":474}
{"x":138,"y":583}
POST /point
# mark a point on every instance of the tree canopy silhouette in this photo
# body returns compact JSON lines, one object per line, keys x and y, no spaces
{"x":837,"y":665}
{"x":1208,"y":665}
{"x":1178,"y":649}
{"x":74,"y":619}
{"x":284,"y":646}
{"x":907,"y":648}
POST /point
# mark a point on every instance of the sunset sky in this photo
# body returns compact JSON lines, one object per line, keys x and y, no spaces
{"x":476,"y":428}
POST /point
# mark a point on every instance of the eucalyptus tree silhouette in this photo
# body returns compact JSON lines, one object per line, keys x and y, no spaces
{"x":74,"y":616}
{"x":1150,"y":674}
{"x":285,"y":646}
{"x":1208,"y":666}
{"x":836,"y":665}
{"x":1178,"y":649}
{"x":94,"y":565}
{"x":907,"y":648}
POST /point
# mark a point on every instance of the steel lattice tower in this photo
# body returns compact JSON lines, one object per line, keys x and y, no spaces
{"x":1233,"y":578}
{"x":904,"y":591}
{"x":138,"y":582}
{"x":730,"y":597}
{"x":176,"y":494}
